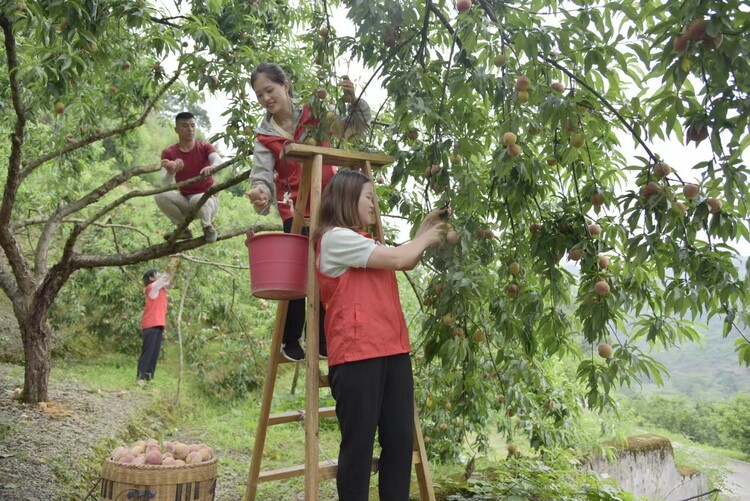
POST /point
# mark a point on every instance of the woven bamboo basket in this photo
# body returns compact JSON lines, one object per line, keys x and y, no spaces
{"x":126,"y":482}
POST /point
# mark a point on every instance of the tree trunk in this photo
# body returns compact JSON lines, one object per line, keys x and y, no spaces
{"x":36,"y":335}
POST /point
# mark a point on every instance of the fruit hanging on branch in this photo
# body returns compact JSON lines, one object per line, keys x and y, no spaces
{"x":601,"y":287}
{"x":662,"y":170}
{"x":714,"y":205}
{"x":697,"y":134}
{"x":463,"y":5}
{"x":605,"y":350}
{"x":691,"y":191}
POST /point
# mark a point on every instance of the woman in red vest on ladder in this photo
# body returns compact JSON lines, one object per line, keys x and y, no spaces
{"x":368,"y":342}
{"x":287,"y":120}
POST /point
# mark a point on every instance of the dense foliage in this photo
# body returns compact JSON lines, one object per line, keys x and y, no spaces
{"x":517,"y":114}
{"x":723,"y":423}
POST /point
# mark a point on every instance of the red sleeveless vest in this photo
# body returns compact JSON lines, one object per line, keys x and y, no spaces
{"x":290,"y":173}
{"x":155,"y":311}
{"x":364,"y":318}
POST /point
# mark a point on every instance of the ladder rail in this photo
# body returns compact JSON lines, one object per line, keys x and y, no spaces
{"x":312,"y":334}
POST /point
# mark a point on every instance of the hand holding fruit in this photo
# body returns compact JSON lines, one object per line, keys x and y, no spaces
{"x":172,"y":166}
{"x":433,"y":218}
{"x":434,"y":234}
{"x":348,"y":87}
{"x":259,"y":198}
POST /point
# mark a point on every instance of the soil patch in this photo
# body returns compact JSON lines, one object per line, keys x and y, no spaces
{"x":43,"y":446}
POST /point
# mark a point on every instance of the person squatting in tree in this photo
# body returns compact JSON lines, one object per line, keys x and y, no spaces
{"x":289,"y":120}
{"x":153,"y":322}
{"x":368,"y":341}
{"x":186,"y":159}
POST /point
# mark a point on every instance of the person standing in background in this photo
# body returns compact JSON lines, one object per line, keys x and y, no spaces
{"x":153,"y":322}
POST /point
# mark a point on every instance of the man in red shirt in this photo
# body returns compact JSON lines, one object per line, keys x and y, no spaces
{"x":184,"y":160}
{"x":153,"y":321}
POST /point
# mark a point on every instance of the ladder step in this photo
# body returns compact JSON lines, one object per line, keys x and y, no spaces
{"x":295,"y":416}
{"x":326,"y":471}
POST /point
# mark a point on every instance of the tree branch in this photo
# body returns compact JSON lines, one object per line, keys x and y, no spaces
{"x":53,"y":222}
{"x":221,"y":266}
{"x":425,"y":25}
{"x":30,"y":166}
{"x":87,"y":261}
{"x":13,"y":180}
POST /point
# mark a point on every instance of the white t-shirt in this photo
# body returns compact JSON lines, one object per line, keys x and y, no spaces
{"x":341,"y":249}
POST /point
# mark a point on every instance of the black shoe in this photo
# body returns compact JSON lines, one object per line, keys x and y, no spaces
{"x":185,"y":234}
{"x":323,"y":348}
{"x":292,"y":351}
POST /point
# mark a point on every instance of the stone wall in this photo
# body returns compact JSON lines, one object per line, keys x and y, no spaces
{"x":645,"y":466}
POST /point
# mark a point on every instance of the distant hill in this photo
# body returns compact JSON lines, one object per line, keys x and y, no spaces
{"x":707,"y":372}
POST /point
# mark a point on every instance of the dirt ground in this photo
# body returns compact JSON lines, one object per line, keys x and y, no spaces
{"x":40,"y":442}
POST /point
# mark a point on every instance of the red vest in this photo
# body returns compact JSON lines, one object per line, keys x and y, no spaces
{"x":290,"y":173}
{"x":155,"y":311}
{"x":364,"y":318}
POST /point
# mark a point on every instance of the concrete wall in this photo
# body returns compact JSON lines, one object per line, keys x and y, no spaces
{"x":645,"y":466}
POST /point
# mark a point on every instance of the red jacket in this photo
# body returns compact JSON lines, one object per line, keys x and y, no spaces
{"x":290,"y":173}
{"x":364,"y":318}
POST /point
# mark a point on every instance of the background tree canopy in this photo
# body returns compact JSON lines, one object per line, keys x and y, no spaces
{"x":515,"y":113}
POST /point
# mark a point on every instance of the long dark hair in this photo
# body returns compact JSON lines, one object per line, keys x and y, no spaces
{"x":273,"y":72}
{"x":339,"y":203}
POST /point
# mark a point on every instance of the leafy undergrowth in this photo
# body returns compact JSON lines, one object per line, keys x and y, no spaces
{"x":229,"y":427}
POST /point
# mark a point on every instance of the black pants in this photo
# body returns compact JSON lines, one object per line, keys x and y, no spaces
{"x":296,"y":314}
{"x":149,"y":352}
{"x":374,"y":394}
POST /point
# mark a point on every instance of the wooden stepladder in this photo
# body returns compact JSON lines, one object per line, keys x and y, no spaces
{"x":312,"y":159}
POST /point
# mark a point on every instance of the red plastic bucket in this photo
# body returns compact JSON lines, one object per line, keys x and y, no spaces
{"x":278,"y":265}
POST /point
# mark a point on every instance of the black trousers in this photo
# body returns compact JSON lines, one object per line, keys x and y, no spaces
{"x":296,"y":314}
{"x":374,"y":394}
{"x":150,"y":352}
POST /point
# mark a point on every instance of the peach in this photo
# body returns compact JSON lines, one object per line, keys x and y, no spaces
{"x":193,"y":458}
{"x":153,"y":456}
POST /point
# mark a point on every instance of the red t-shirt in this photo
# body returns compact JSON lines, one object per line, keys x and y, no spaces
{"x":195,"y":160}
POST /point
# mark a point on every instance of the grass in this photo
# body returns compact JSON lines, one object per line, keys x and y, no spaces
{"x":230,"y":428}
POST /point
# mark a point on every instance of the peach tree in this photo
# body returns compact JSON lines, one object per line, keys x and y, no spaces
{"x":517,"y":113}
{"x":79,"y":79}
{"x":520,"y":115}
